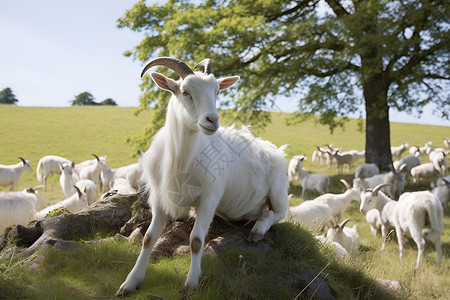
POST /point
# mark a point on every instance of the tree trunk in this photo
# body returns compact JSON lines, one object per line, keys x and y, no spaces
{"x":378,"y":143}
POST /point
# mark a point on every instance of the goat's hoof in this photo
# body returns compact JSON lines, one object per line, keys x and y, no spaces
{"x":124,"y":291}
{"x":255,"y":236}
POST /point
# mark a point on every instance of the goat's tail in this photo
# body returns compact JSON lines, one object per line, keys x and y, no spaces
{"x":436,"y":216}
{"x":38,"y":171}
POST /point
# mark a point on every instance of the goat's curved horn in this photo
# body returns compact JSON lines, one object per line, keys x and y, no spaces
{"x":98,"y":159}
{"x":342,"y":225}
{"x":39,"y":187}
{"x":78,"y":190}
{"x":379,"y":187}
{"x":344,"y":182}
{"x":175,"y":64}
{"x":207,"y":64}
{"x":23,"y":160}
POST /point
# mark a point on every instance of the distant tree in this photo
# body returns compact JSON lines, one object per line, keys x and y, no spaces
{"x":7,"y":97}
{"x":84,"y":99}
{"x":108,"y":101}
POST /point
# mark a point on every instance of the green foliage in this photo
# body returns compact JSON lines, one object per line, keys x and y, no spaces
{"x":109,"y":102}
{"x":359,"y":56}
{"x":7,"y":96}
{"x":86,"y":98}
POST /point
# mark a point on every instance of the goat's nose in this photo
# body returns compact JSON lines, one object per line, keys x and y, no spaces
{"x":212,"y":119}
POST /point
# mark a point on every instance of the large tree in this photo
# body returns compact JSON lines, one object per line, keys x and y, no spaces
{"x":333,"y":57}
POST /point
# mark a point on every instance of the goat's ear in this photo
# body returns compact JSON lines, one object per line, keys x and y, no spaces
{"x":226,"y":82}
{"x":165,"y":83}
{"x":61,"y":167}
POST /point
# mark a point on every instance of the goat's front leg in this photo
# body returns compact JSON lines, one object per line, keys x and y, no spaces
{"x":205,"y":214}
{"x":279,"y":203}
{"x":137,"y":274}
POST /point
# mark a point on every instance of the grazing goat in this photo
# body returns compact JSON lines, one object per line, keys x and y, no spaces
{"x":407,"y":163}
{"x":19,"y":207}
{"x":410,"y":215}
{"x":314,"y":216}
{"x":338,"y":202}
{"x":425,"y":170}
{"x":10,"y":174}
{"x":313,"y":182}
{"x":397,"y":151}
{"x":345,"y":236}
{"x":365,"y":170}
{"x":396,"y":180}
{"x":67,"y":179}
{"x":49,"y":164}
{"x":343,"y":159}
{"x":439,"y":160}
{"x":74,"y":203}
{"x":193,"y":163}
{"x":442,"y":191}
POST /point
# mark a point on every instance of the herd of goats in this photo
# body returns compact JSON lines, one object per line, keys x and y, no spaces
{"x":193,"y":162}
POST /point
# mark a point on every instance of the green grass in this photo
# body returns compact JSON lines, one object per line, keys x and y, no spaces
{"x":97,"y":270}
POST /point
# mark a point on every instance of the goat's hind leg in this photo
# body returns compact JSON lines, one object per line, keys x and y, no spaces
{"x":137,"y":274}
{"x":279,"y":204}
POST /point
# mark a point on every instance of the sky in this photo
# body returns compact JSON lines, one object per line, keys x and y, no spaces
{"x":53,"y":50}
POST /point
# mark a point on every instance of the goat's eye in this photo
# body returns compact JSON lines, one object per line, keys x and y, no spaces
{"x":185,"y":93}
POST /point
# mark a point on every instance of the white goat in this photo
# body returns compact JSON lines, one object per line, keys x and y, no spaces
{"x":74,"y":203}
{"x":335,"y":246}
{"x":314,"y":216}
{"x":118,"y":186}
{"x":49,"y":164}
{"x":227,"y":172}
{"x":397,"y":151}
{"x":19,"y":207}
{"x":446,"y":142}
{"x":373,"y":218}
{"x":366,"y":170}
{"x":90,"y":170}
{"x":10,"y":174}
{"x":294,"y":168}
{"x":67,"y":179}
{"x":419,"y":151}
{"x":338,"y":202}
{"x":425,"y":170}
{"x":321,"y":156}
{"x":345,"y":236}
{"x":439,"y":160}
{"x":396,"y":180}
{"x":343,"y":159}
{"x":442,"y":191}
{"x":131,"y":172}
{"x":376,"y":199}
{"x":312,"y":182}
{"x":407,"y":163}
{"x":89,"y":187}
{"x":409,"y":215}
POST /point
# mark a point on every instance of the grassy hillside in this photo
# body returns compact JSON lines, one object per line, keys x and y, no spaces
{"x":96,"y":270}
